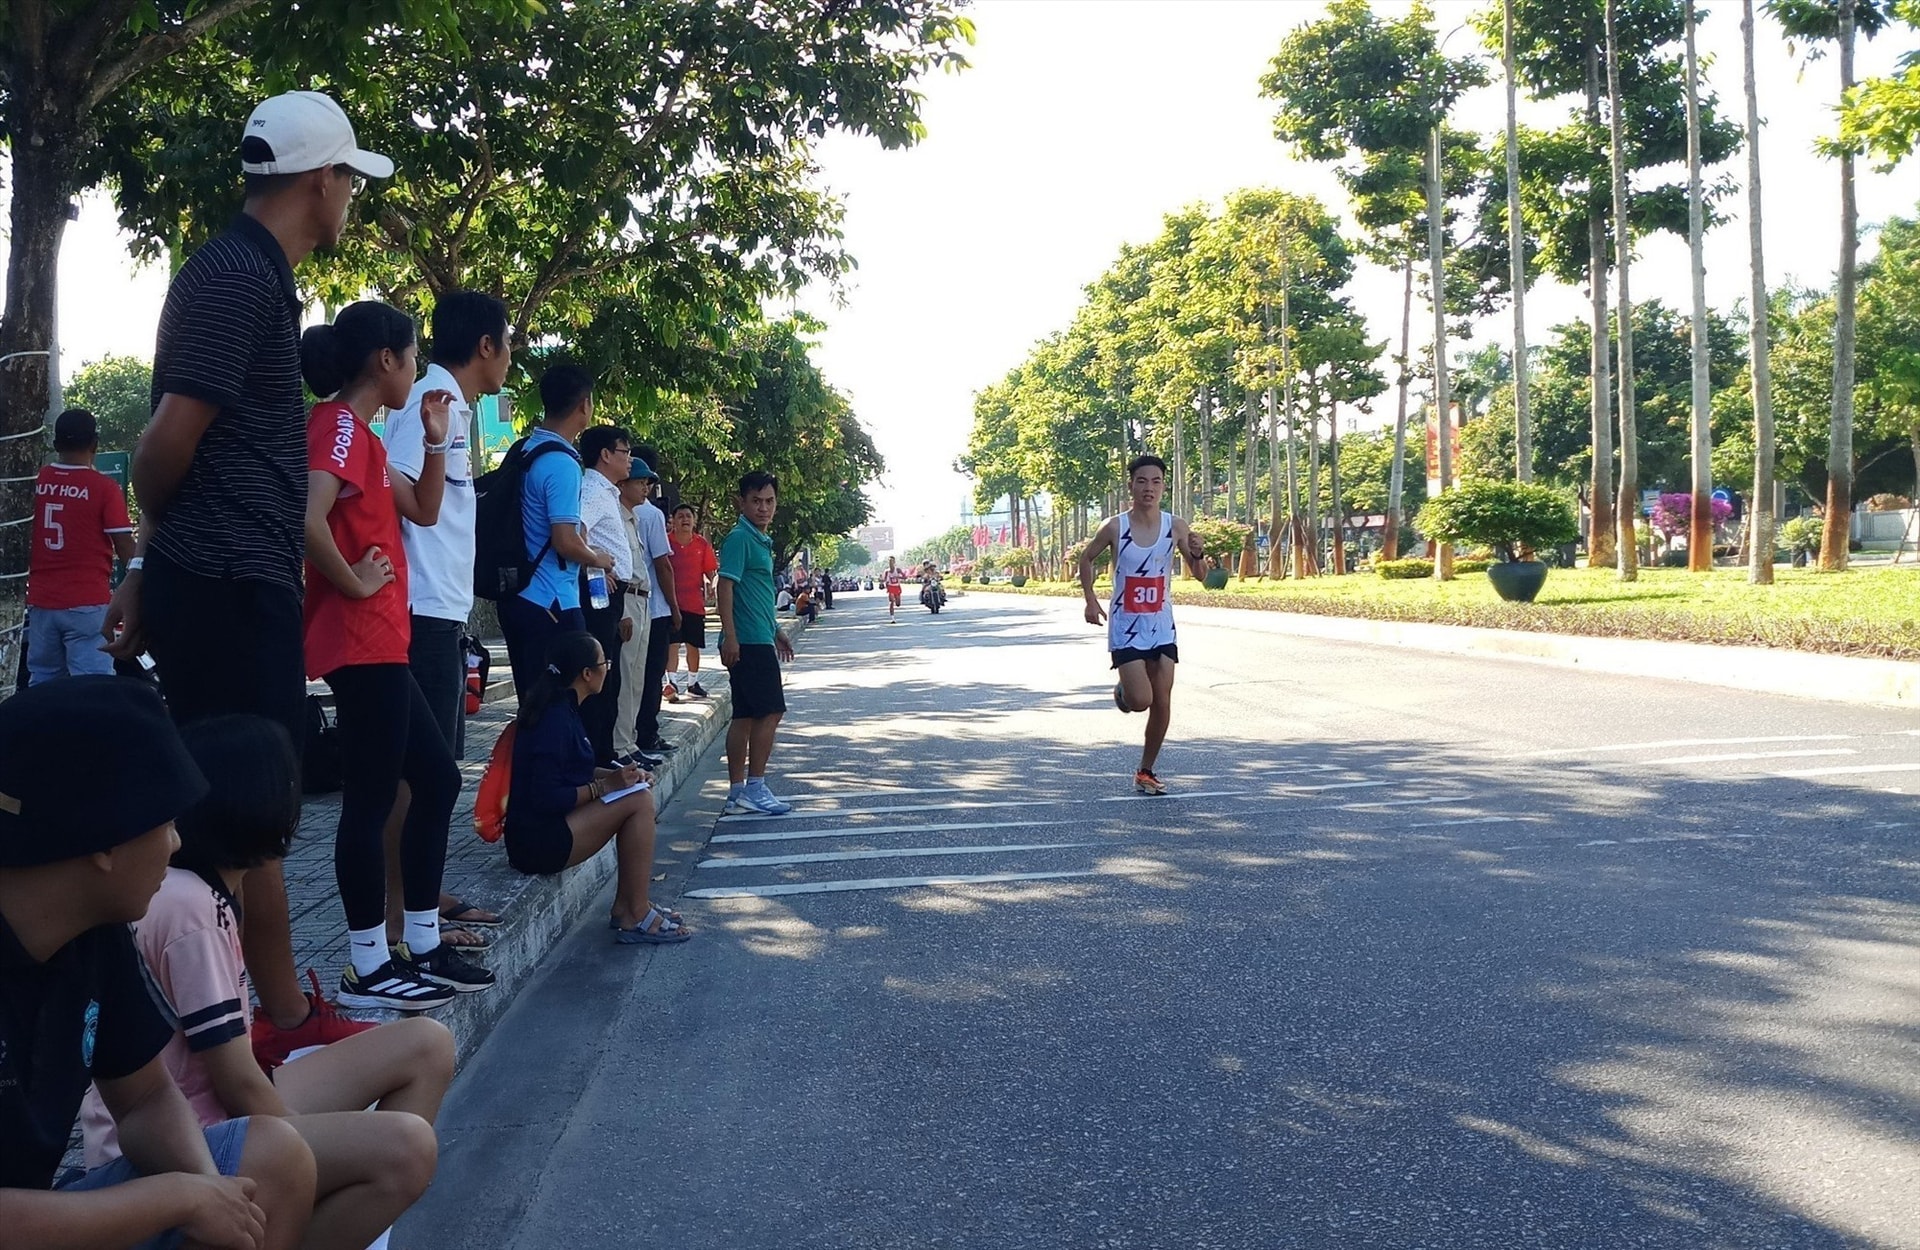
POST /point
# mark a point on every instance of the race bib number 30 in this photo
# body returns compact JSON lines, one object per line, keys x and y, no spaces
{"x":1142,"y":594}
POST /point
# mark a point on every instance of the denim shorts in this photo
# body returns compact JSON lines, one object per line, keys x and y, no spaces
{"x":226,"y":1140}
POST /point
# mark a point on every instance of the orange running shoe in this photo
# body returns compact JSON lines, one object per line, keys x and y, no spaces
{"x":669,"y":694}
{"x":324,"y":1024}
{"x":1146,"y":783}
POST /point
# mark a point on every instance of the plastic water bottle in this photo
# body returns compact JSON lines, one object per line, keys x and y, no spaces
{"x":597,"y":589}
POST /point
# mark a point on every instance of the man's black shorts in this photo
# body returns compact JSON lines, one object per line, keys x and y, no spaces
{"x":1126,"y":655}
{"x":756,"y":683}
{"x":693,"y":629}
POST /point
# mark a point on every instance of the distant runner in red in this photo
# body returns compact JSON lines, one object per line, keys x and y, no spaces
{"x":79,"y":524}
{"x":894,"y":579}
{"x":1140,"y":632}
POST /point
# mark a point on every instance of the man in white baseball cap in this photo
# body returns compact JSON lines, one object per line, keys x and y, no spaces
{"x":214,"y":589}
{"x":303,"y":130}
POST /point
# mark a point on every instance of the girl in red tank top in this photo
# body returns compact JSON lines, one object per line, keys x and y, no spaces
{"x":357,"y":637}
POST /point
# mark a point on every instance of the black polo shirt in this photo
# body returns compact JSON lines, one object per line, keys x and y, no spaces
{"x":90,"y":1011}
{"x":230,"y":336}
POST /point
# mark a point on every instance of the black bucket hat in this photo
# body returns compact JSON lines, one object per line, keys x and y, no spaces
{"x":87,"y":763}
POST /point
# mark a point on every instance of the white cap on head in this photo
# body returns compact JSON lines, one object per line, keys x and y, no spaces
{"x":301,"y":131}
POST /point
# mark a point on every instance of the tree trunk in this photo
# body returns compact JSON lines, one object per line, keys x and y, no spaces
{"x":1252,"y":476}
{"x":1177,"y":486}
{"x":1516,"y":245}
{"x":1396,"y":480}
{"x":1316,"y":530}
{"x":1436,"y":259}
{"x":42,"y":182}
{"x":1233,"y":461}
{"x":1627,"y":558}
{"x":1833,"y":543}
{"x":1600,"y":544}
{"x":1760,"y":510}
{"x":1333,"y":489}
{"x":1206,"y":453}
{"x":1700,"y":519}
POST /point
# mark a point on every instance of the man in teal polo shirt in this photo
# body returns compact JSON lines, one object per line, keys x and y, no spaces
{"x":751,"y":648}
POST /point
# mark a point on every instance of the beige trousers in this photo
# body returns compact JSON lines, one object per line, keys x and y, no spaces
{"x":633,"y":674}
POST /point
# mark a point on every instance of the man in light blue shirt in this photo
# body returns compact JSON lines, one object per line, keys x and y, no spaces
{"x":550,"y":524}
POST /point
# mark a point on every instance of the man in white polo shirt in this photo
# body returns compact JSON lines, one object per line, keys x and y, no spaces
{"x":470,"y":359}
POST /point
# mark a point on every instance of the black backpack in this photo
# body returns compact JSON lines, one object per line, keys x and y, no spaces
{"x":501,"y":567}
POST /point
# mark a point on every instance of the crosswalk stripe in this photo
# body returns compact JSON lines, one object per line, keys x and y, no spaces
{"x":916,"y":852}
{"x":1737,"y":756}
{"x":876,"y":883}
{"x":875,"y":831}
{"x":1843,"y":769}
{"x":1685,"y":742}
{"x":872,"y":831}
{"x":968,"y":804}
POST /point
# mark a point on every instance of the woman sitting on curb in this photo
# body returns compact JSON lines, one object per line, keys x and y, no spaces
{"x":558,"y":813}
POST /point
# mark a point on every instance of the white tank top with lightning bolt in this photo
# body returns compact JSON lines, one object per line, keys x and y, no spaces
{"x":1141,"y":615}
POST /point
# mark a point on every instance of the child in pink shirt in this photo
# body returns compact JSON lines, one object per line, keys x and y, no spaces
{"x":189,"y":940}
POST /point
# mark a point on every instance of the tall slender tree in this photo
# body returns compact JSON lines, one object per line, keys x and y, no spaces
{"x":1517,"y":252}
{"x":1627,"y":557}
{"x":1700,"y":516}
{"x":1760,"y":507}
{"x":1839,"y":22}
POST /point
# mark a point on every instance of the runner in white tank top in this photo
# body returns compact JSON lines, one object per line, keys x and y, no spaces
{"x":1140,"y":632}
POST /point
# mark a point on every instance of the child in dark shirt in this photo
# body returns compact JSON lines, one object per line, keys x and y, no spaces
{"x":84,"y":845}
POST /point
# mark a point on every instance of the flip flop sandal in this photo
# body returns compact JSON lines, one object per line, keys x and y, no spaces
{"x":668,"y":912}
{"x":463,"y":939}
{"x":461,"y":912}
{"x":669,"y":932}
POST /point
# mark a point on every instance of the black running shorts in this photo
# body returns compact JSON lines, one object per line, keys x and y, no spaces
{"x":1127,"y":655}
{"x":693,"y":630}
{"x":756,"y":683}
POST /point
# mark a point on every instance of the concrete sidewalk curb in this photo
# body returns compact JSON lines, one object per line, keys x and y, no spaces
{"x":1801,"y":674}
{"x":548,"y":907}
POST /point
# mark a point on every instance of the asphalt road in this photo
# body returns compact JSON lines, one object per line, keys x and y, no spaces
{"x":1422,"y":952}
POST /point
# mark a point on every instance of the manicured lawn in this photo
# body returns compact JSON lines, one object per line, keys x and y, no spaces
{"x":1868,"y":611}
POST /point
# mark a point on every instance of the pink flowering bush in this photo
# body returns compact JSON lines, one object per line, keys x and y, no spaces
{"x":1672,"y":515}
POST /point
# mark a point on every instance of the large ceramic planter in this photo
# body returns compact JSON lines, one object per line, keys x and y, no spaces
{"x":1216,"y":579}
{"x":1019,"y":579}
{"x":1517,"y":581}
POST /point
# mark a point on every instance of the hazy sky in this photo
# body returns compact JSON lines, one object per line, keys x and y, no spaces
{"x":1080,"y":124}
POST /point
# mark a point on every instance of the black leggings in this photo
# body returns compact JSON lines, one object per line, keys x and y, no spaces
{"x":388,"y":734}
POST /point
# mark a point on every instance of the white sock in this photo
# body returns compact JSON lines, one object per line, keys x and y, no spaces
{"x":423,"y":930}
{"x":736,"y":789}
{"x":367,"y":949}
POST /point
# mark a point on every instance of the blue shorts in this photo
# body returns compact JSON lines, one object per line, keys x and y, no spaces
{"x":226,"y":1140}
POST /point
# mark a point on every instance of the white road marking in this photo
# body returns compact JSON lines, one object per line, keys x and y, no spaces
{"x":903,"y":792}
{"x":969,"y":804}
{"x":1685,"y":742}
{"x":874,"y":831}
{"x":1844,"y":769}
{"x":1752,"y":755}
{"x":916,"y":852}
{"x":875,"y":883}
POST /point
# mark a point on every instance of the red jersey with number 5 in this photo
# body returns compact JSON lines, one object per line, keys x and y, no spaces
{"x":1141,"y":615}
{"x":75,"y":509}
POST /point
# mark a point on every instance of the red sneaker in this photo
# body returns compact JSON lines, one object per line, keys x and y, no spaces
{"x":324,"y":1024}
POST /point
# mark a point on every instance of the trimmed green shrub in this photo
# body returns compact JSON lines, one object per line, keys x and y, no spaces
{"x":1221,"y":538}
{"x":1503,"y":515}
{"x":1409,"y":569}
